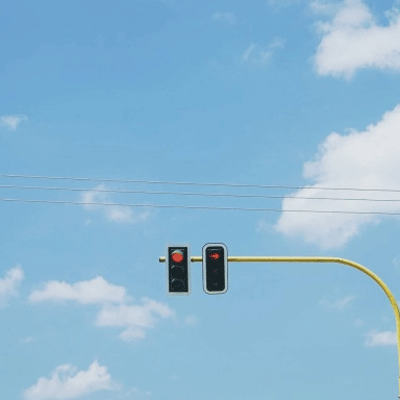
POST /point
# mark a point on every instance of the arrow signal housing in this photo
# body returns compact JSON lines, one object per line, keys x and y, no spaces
{"x":215,"y":268}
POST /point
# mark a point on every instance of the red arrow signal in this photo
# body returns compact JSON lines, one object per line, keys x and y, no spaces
{"x":214,"y":256}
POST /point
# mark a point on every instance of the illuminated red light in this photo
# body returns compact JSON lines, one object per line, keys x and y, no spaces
{"x":214,"y":256}
{"x":177,"y":256}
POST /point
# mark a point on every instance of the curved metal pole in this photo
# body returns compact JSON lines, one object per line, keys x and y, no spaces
{"x":326,"y":260}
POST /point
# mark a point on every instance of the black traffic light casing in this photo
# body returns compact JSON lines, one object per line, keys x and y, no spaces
{"x":178,"y":269}
{"x":215,"y":268}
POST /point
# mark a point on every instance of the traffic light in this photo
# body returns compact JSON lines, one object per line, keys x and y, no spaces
{"x":215,"y":268}
{"x":178,"y":269}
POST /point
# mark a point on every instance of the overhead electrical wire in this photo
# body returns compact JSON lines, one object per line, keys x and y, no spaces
{"x":119,"y":191}
{"x":193,"y":183}
{"x":196,"y":207}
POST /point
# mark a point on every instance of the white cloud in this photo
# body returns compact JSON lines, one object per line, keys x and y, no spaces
{"x":368,"y":159}
{"x":114,"y":213}
{"x":134,"y":318}
{"x":352,"y":39}
{"x":10,"y":283}
{"x":11,"y":122}
{"x":116,"y":308}
{"x":375,"y":338}
{"x":95,"y":291}
{"x":338,"y":304}
{"x":260,"y":55}
{"x":227,"y":17}
{"x":68,"y":383}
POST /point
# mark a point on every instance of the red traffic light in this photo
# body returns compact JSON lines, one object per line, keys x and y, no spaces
{"x":177,"y":256}
{"x":214,"y":256}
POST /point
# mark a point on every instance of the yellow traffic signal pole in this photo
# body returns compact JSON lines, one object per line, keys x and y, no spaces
{"x":326,"y":260}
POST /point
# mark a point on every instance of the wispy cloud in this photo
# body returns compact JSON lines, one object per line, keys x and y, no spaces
{"x":137,"y":394}
{"x":116,"y":309}
{"x":358,"y":322}
{"x":11,"y":122}
{"x":191,"y":320}
{"x":66,"y":382}
{"x":368,"y":159}
{"x":352,"y":39}
{"x":9,"y":284}
{"x":338,"y":304}
{"x":375,"y":338}
{"x":261,"y":55}
{"x":226,"y":17}
{"x":324,"y":7}
{"x":28,"y":339}
{"x":396,"y":262}
{"x":248,"y":52}
{"x":114,"y":213}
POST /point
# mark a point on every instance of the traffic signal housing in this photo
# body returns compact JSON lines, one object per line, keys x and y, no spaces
{"x":178,"y":269}
{"x":215,"y":268}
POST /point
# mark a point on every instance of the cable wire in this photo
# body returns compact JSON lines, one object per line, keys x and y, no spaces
{"x":196,"y":207}
{"x":195,"y":183}
{"x":23,"y":187}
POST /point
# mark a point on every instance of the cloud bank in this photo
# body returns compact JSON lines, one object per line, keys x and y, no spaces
{"x":352,"y":39}
{"x":368,"y":159}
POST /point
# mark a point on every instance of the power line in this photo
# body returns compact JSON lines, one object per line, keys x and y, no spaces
{"x":195,"y":183}
{"x":197,"y":207}
{"x":23,"y":187}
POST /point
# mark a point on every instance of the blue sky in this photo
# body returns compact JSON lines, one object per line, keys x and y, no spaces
{"x":296,"y":93}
